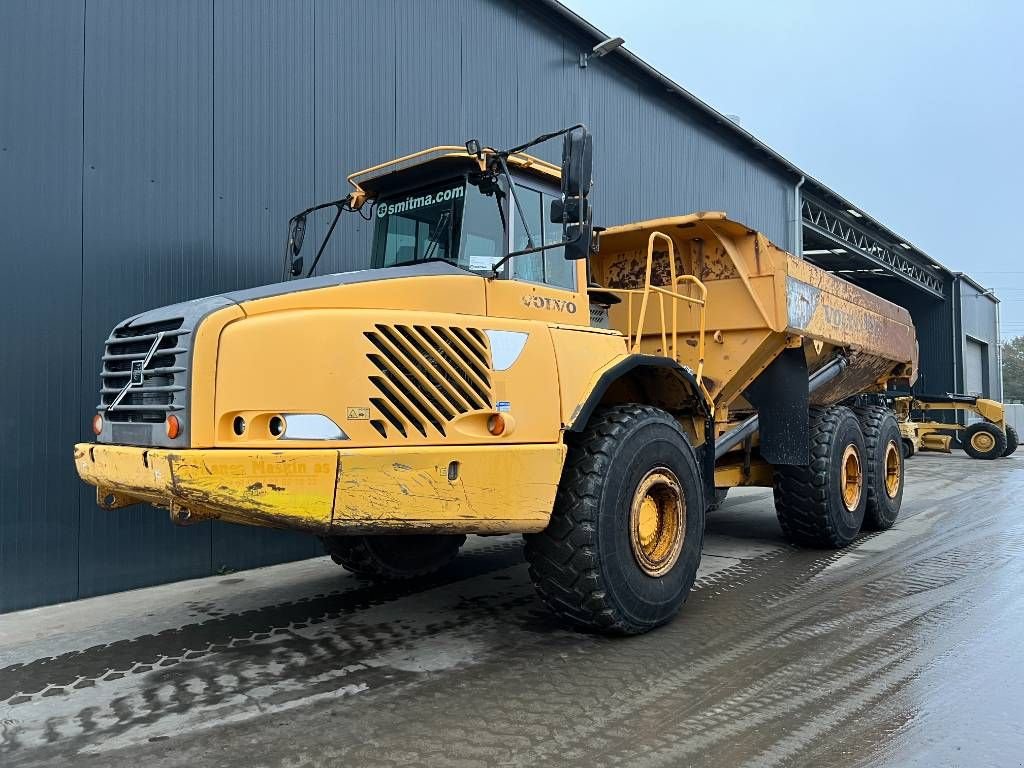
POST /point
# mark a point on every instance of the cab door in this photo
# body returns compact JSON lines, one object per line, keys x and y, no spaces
{"x":539,"y":286}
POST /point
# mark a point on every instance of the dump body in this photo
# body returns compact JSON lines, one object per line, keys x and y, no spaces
{"x":755,"y":323}
{"x":760,"y":301}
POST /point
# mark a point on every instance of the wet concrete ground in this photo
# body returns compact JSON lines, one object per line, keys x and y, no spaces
{"x":906,"y":650}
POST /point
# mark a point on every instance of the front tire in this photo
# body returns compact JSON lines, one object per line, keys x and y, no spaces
{"x":621,"y":551}
{"x":823,"y":504}
{"x":883,"y":466}
{"x":1011,"y":441}
{"x":984,"y":440}
{"x":393,"y":558}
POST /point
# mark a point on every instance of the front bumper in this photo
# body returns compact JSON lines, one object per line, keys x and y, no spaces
{"x":459,"y":489}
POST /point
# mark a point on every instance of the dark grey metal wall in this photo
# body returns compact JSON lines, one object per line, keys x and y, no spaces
{"x":933,"y":320}
{"x":978,"y":321}
{"x":150,"y":152}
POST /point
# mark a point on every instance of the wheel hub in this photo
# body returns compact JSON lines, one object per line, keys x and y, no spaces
{"x":657,"y":522}
{"x":892,"y":469}
{"x":852,"y":479}
{"x":983,"y":442}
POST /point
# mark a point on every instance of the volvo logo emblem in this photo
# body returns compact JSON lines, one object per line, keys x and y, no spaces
{"x":135,"y":375}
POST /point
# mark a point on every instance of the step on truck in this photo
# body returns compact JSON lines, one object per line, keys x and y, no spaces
{"x":505,"y":367}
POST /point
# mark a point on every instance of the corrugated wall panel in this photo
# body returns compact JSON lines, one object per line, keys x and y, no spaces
{"x":489,"y":98}
{"x":613,"y":114}
{"x":428,"y":74}
{"x":263,"y":171}
{"x":41,"y":250}
{"x":263,"y":163}
{"x":147,"y":235}
{"x":354,"y":75}
{"x":933,"y":320}
{"x":978,"y":319}
{"x":549,"y":83}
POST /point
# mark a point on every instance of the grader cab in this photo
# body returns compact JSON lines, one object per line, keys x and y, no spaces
{"x":497,"y":370}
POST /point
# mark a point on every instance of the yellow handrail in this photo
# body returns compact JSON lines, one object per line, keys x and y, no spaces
{"x":670,"y":350}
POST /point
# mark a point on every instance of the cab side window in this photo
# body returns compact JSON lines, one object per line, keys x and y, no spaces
{"x":549,"y":266}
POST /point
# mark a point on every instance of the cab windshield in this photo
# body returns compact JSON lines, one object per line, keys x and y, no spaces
{"x":452,"y":221}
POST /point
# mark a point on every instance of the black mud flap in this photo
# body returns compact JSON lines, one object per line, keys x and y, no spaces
{"x":781,"y":398}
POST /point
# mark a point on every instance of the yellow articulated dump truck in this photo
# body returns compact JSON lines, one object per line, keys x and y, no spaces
{"x":505,"y":367}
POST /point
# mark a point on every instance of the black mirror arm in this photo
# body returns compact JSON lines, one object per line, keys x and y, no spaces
{"x":535,"y":249}
{"x":542,"y":138}
{"x":515,"y":197}
{"x":327,"y":237}
{"x":344,"y":204}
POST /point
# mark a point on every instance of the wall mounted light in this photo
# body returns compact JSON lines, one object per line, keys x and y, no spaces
{"x":601,"y":49}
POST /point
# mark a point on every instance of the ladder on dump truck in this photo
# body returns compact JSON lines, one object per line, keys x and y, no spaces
{"x":669,"y":328}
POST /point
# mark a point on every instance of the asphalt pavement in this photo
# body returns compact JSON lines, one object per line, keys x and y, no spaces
{"x":906,"y":649}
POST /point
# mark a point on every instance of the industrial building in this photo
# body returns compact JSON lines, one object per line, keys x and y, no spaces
{"x":152,"y":152}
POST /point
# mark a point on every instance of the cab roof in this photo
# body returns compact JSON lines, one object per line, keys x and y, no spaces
{"x":435,"y":163}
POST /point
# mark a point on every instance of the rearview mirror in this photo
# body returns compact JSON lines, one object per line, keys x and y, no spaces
{"x":573,"y":210}
{"x":577,"y":156}
{"x":296,"y":234}
{"x":579,"y":237}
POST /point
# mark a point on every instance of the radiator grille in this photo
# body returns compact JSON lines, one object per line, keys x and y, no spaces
{"x":158,"y":394}
{"x":428,"y":375}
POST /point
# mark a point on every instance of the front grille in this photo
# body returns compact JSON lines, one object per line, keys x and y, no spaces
{"x":158,"y":394}
{"x":428,"y":376}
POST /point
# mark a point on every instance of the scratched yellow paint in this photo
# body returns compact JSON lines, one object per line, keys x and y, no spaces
{"x":506,"y":490}
{"x":280,"y":488}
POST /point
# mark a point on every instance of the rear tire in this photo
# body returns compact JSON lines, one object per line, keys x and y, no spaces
{"x":1011,"y":441}
{"x":908,"y":448}
{"x":883,"y":466}
{"x":392,"y":558}
{"x":719,"y":499}
{"x":984,"y":440}
{"x":621,"y":551}
{"x":823,"y":504}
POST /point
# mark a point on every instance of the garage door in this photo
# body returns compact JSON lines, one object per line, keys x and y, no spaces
{"x":974,"y":362}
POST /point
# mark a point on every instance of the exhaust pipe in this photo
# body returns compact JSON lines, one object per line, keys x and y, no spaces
{"x":816,"y":381}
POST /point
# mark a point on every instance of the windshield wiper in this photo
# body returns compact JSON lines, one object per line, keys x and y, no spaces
{"x":443,"y":224}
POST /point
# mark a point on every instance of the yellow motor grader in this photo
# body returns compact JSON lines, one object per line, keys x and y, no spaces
{"x":504,"y":367}
{"x":989,"y":438}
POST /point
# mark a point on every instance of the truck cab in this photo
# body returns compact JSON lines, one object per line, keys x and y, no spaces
{"x":424,"y":391}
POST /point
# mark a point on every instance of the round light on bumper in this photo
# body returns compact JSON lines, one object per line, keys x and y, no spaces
{"x":97,"y":424}
{"x":173,"y":426}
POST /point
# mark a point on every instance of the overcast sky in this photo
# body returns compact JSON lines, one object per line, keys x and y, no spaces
{"x":912,"y":110}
